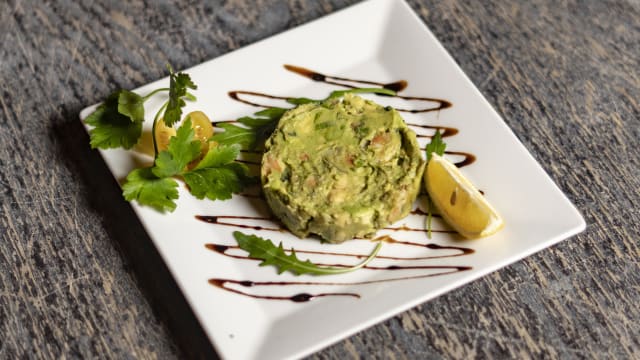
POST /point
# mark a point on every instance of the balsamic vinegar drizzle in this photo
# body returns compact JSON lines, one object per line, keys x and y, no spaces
{"x":468,"y":158}
{"x":220,"y":220}
{"x":235,"y":95}
{"x":316,"y":76}
{"x":395,"y":86}
{"x":258,"y":223}
{"x":300,"y":297}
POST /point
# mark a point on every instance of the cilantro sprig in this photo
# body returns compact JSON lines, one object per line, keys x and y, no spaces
{"x":216,"y":176}
{"x":436,"y":145}
{"x":117,"y":122}
{"x":178,"y":85}
{"x":270,"y":254}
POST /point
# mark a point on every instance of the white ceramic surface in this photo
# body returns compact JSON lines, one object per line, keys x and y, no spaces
{"x":380,"y":40}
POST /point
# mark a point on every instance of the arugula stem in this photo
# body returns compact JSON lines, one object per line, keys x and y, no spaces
{"x":330,"y":270}
{"x":146,"y":97}
{"x":153,"y":130}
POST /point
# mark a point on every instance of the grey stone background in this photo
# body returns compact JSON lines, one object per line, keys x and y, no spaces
{"x":80,"y":279}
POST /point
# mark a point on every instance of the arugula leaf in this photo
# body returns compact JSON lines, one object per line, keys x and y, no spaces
{"x":181,"y":151}
{"x":300,"y":101}
{"x":178,"y":85}
{"x":148,"y":189}
{"x":111,"y":128}
{"x":217,"y":176}
{"x":234,"y":134}
{"x":255,"y":131}
{"x":265,"y":250}
{"x":435,"y":146}
{"x":272,"y":113}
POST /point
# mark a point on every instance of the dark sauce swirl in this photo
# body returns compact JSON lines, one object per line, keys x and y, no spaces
{"x":303,"y":297}
{"x":396,"y":86}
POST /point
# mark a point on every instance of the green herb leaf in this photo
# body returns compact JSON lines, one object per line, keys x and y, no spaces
{"x":301,"y":101}
{"x":217,"y":176}
{"x":112,"y":129}
{"x":131,"y":104}
{"x":265,"y":250}
{"x":272,"y":113}
{"x":436,"y":145}
{"x":181,"y":151}
{"x":219,"y":156}
{"x":255,"y":131}
{"x":148,"y":189}
{"x":234,"y":134}
{"x":178,"y":85}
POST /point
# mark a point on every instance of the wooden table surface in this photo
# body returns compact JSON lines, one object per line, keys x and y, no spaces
{"x":79,"y":278}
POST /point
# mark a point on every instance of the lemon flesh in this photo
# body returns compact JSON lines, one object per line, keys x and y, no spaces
{"x":459,"y":202}
{"x":163,"y":135}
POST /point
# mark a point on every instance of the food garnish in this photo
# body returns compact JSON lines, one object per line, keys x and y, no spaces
{"x":216,"y":176}
{"x":458,"y":200}
{"x":436,"y":145}
{"x":209,"y":169}
{"x":270,"y":254}
{"x":117,"y":122}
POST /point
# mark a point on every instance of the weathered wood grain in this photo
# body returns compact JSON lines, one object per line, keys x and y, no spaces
{"x":79,"y":278}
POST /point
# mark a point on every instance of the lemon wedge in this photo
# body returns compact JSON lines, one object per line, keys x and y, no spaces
{"x":458,"y":201}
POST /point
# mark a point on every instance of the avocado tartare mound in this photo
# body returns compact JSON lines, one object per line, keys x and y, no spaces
{"x":341,"y":169}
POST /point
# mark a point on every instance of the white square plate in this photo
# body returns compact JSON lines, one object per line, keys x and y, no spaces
{"x":382,"y":41}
